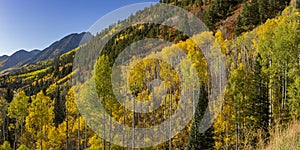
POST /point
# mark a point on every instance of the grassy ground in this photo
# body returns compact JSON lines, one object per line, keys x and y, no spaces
{"x":287,"y":139}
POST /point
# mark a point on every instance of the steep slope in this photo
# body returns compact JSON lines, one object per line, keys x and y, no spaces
{"x":17,"y":57}
{"x":60,"y":47}
{"x":233,"y":17}
{"x":3,"y":57}
{"x":22,"y":57}
{"x":54,"y":78}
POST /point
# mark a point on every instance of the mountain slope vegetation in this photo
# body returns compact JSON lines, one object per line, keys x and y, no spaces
{"x":23,"y":58}
{"x":262,"y":94}
{"x":16,"y":58}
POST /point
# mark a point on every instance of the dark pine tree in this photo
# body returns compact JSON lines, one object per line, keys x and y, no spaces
{"x":197,"y":139}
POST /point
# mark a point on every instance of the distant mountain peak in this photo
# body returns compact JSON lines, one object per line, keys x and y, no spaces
{"x":23,"y":57}
{"x":15,"y":58}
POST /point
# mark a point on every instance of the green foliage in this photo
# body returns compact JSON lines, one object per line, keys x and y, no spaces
{"x":278,"y":47}
{"x":102,"y":78}
{"x":249,"y":18}
{"x":18,"y":108}
{"x":219,"y":10}
{"x":39,"y":120}
{"x":3,"y":117}
{"x":34,"y":73}
{"x":263,"y":86}
{"x":3,"y":108}
{"x":294,"y":100}
{"x":264,"y":67}
{"x":198,"y":140}
{"x":41,"y":110}
{"x":256,"y":12}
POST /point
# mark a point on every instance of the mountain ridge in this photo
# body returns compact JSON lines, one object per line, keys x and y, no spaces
{"x":17,"y":57}
{"x":60,"y":47}
{"x":23,"y":57}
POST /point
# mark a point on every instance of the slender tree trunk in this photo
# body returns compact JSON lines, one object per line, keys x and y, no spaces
{"x":78,"y":134}
{"x":226,"y":131}
{"x":3,"y":128}
{"x":110,"y":129}
{"x":170,"y":115}
{"x":85,"y":135}
{"x":270,"y":107}
{"x":165,"y":116}
{"x":16,"y":138}
{"x":67,"y":133}
{"x":270,"y":98}
{"x":236,"y":125}
{"x":124,"y":123}
{"x":133,"y":125}
{"x":282,"y":93}
{"x":285,"y":87}
{"x":21,"y":131}
{"x":104,"y":130}
{"x":41,"y":138}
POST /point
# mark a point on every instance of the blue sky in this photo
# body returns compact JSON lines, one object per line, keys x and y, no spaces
{"x":35,"y":24}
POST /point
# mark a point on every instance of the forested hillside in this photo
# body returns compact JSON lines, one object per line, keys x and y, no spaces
{"x":18,"y":57}
{"x":21,"y":58}
{"x":233,"y":16}
{"x":259,"y":41}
